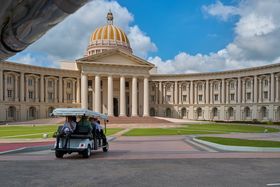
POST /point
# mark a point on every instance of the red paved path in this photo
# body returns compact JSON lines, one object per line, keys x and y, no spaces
{"x":12,"y":146}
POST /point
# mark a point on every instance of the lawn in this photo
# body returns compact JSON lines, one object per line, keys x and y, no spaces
{"x":37,"y":131}
{"x":199,"y":129}
{"x":241,"y":142}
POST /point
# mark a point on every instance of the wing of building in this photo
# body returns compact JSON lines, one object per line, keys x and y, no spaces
{"x":110,"y":79}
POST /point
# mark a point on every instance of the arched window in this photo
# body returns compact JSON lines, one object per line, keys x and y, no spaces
{"x":152,"y":112}
{"x":11,"y":113}
{"x":168,"y":112}
{"x":199,"y":112}
{"x":32,"y":112}
{"x":184,"y":112}
{"x":263,"y":112}
{"x":247,"y":112}
{"x":215,"y":112}
{"x":230,"y":112}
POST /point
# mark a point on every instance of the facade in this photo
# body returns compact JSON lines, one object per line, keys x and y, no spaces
{"x":110,"y":79}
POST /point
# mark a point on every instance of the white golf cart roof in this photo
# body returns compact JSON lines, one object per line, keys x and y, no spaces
{"x":78,"y":112}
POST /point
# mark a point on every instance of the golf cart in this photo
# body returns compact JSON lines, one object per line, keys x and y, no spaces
{"x":84,"y":138}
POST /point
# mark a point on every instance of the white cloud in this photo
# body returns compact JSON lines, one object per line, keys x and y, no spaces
{"x":69,"y":39}
{"x":220,"y":10}
{"x":256,"y":42}
{"x":140,"y":42}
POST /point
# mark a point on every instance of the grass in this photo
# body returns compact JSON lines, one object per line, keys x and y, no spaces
{"x":241,"y":142}
{"x":200,"y":129}
{"x":37,"y":131}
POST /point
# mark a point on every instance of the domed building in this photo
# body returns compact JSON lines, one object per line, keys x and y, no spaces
{"x":108,"y":37}
{"x":112,"y":80}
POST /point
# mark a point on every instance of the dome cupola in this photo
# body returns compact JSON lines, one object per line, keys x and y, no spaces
{"x":108,"y":37}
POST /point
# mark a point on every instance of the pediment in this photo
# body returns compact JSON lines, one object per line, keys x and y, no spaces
{"x":116,"y":57}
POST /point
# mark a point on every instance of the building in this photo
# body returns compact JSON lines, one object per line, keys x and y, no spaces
{"x":110,"y":79}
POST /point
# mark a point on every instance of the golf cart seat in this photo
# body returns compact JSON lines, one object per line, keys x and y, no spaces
{"x":82,"y":132}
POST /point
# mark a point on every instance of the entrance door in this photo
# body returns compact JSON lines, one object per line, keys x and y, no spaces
{"x":116,"y":107}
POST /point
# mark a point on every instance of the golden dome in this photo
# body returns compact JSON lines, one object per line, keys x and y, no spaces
{"x":108,"y":37}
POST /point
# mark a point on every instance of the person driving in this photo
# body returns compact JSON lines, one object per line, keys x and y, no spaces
{"x":68,"y":128}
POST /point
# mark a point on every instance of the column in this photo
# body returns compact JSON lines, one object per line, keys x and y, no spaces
{"x":277,"y":89}
{"x":272,"y":88}
{"x":84,"y":91}
{"x":195,"y":93}
{"x":26,"y":90}
{"x":260,"y":91}
{"x":65,"y":91}
{"x":134,"y":97}
{"x":42,"y":88}
{"x":110,"y":96}
{"x":176,"y":93}
{"x":122,"y":96}
{"x":5,"y":87}
{"x":239,"y":90}
{"x":203,"y":93}
{"x":1,"y":85}
{"x":223,"y":91}
{"x":252,"y":90}
{"x":55,"y":90}
{"x":160,"y":93}
{"x":46,"y":90}
{"x":60,"y":88}
{"x":78,"y":91}
{"x":180,"y":94}
{"x":211,"y":93}
{"x":73,"y":91}
{"x":16,"y":87}
{"x":227,"y":92}
{"x":36,"y":90}
{"x":255,"y":89}
{"x":146,"y":97}
{"x":191,"y":93}
{"x":207,"y":92}
{"x":97,"y":90}
{"x":243,"y":91}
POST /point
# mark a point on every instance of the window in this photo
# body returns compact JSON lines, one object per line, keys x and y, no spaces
{"x":248,"y":96}
{"x":50,"y":84}
{"x":199,"y":112}
{"x":30,"y":94}
{"x":30,"y":82}
{"x":10,"y":93}
{"x":265,"y":83}
{"x":168,"y":98}
{"x":200,"y":87}
{"x":9,"y":80}
{"x":199,"y":97}
{"x":216,"y":97}
{"x":168,"y":88}
{"x":265,"y":95}
{"x":247,"y":112}
{"x":216,"y":87}
{"x":126,"y":84}
{"x":184,"y":98}
{"x":215,"y":112}
{"x":230,"y":112}
{"x":153,"y":88}
{"x":153,"y":98}
{"x":68,"y":97}
{"x":184,"y":88}
{"x":232,"y":97}
{"x":248,"y":84}
{"x":50,"y":96}
{"x":232,"y":85}
{"x":68,"y":85}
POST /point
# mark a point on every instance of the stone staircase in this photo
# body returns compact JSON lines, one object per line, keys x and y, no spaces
{"x":128,"y":120}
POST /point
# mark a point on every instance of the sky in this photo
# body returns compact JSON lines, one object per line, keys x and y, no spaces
{"x":177,"y":36}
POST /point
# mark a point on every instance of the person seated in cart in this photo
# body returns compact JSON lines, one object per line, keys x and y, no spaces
{"x":85,"y":122}
{"x":98,"y":129}
{"x":67,"y":129}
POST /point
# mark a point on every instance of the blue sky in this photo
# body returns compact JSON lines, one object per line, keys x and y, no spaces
{"x":180,"y":25}
{"x":177,"y":36}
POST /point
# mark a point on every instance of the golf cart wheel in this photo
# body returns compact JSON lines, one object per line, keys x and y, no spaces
{"x":106,"y":148}
{"x":87,"y":152}
{"x":59,"y":154}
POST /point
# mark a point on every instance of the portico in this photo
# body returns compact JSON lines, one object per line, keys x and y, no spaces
{"x":116,"y":82}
